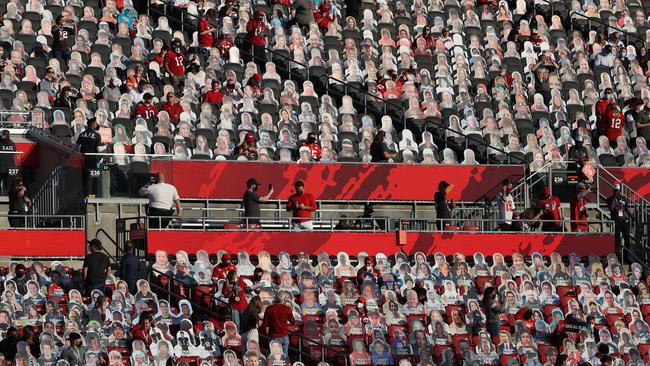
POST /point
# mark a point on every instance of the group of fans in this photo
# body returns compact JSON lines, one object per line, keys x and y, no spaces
{"x":375,"y":310}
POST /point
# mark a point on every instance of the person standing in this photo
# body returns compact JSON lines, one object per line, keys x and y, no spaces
{"x":551,"y":210}
{"x":95,"y":268}
{"x":75,"y":353}
{"x":252,"y":200}
{"x":7,"y":148}
{"x":302,"y":205}
{"x":19,"y":204}
{"x":443,"y":206}
{"x":234,"y":289}
{"x":257,"y":33}
{"x":506,"y":205}
{"x":174,"y":63}
{"x":162,"y":196}
{"x":129,"y":267}
{"x":89,"y":142}
{"x":63,"y":36}
{"x":621,"y":213}
{"x":277,"y":318}
{"x":146,"y":109}
{"x":612,"y":124}
{"x":302,"y":14}
{"x":579,"y":214}
{"x":207,"y":31}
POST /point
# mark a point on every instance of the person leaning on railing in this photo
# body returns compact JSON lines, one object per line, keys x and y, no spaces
{"x":162,"y":196}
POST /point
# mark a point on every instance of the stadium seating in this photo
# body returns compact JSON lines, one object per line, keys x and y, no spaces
{"x":381,"y":308}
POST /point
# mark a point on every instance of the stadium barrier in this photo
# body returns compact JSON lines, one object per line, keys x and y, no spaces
{"x":43,"y":236}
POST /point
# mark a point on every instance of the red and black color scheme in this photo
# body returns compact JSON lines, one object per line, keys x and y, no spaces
{"x":373,"y":243}
{"x":227,"y":180}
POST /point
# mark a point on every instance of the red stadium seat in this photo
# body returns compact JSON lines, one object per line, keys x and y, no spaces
{"x":232,"y":226}
{"x":472,"y":228}
{"x":452,"y":228}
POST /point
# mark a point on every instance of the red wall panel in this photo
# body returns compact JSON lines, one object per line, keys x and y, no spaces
{"x":372,"y":243}
{"x":227,"y":180}
{"x":29,"y":156}
{"x":636,"y":178}
{"x":42,"y":243}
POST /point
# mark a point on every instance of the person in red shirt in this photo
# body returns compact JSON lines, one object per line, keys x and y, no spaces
{"x":579,"y":209}
{"x":215,"y":95}
{"x":302,"y":205}
{"x":146,"y":109}
{"x":173,"y":108}
{"x":142,"y":330}
{"x":551,"y":210}
{"x":277,"y":318}
{"x":314,"y":148}
{"x":612,"y":124}
{"x":174,"y":63}
{"x":257,"y":33}
{"x":221,"y":270}
{"x":603,"y":102}
{"x":206,"y":30}
{"x":235,"y":291}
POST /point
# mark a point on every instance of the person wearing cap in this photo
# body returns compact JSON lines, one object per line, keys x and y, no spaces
{"x":75,"y":353}
{"x":257,"y":32}
{"x":173,"y":108}
{"x":7,"y":147}
{"x":506,"y":205}
{"x":443,"y":206}
{"x":621,"y":213}
{"x":146,"y":109}
{"x":606,"y":98}
{"x":162,"y":196}
{"x":89,"y":142}
{"x":221,"y":269}
{"x":95,"y":267}
{"x":579,"y":213}
{"x":302,"y":204}
{"x":365,"y":221}
{"x":579,"y":154}
{"x":251,"y":201}
{"x":63,"y":34}
{"x":248,"y":148}
{"x":551,"y":210}
{"x":235,"y":289}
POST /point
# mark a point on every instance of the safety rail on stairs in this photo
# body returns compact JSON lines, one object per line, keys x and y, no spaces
{"x":50,"y":197}
{"x":209,"y":306}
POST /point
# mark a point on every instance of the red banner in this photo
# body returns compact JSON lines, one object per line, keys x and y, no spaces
{"x":227,"y":180}
{"x":373,"y":243}
{"x":29,"y":156}
{"x":42,"y":243}
{"x":635,"y":178}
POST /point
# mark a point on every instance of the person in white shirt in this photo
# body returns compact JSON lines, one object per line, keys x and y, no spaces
{"x":506,"y":204}
{"x":162,"y":196}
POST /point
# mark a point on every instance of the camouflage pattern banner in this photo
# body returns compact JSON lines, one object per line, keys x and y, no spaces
{"x":227,"y":180}
{"x":43,"y":243}
{"x":373,"y":243}
{"x":636,"y":178}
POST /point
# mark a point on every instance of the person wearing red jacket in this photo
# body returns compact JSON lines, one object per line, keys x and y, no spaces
{"x":174,"y":63}
{"x":221,"y":270}
{"x":257,"y":33}
{"x":579,"y":209}
{"x":206,"y":30}
{"x":146,"y":109}
{"x":277,"y":318}
{"x":235,"y":291}
{"x":302,"y":204}
{"x":323,"y":16}
{"x":173,"y":108}
{"x":551,"y":209}
{"x":215,"y":95}
{"x":314,"y":148}
{"x":602,"y":103}
{"x":612,"y":124}
{"x":142,"y":330}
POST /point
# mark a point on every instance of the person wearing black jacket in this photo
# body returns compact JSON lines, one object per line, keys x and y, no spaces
{"x":130,"y":267}
{"x":250,"y":320}
{"x":8,"y":345}
{"x":89,"y":142}
{"x":443,"y":206}
{"x":19,"y":204}
{"x":493,"y":310}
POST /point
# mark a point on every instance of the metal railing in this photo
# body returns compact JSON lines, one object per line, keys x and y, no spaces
{"x":388,"y":105}
{"x":42,"y":222}
{"x":50,"y":197}
{"x":369,"y":225}
{"x":167,"y":285}
{"x":17,"y":121}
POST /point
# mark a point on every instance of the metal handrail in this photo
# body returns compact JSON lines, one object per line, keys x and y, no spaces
{"x":341,"y":82}
{"x":34,"y":222}
{"x":377,"y":225}
{"x":194,"y":289}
